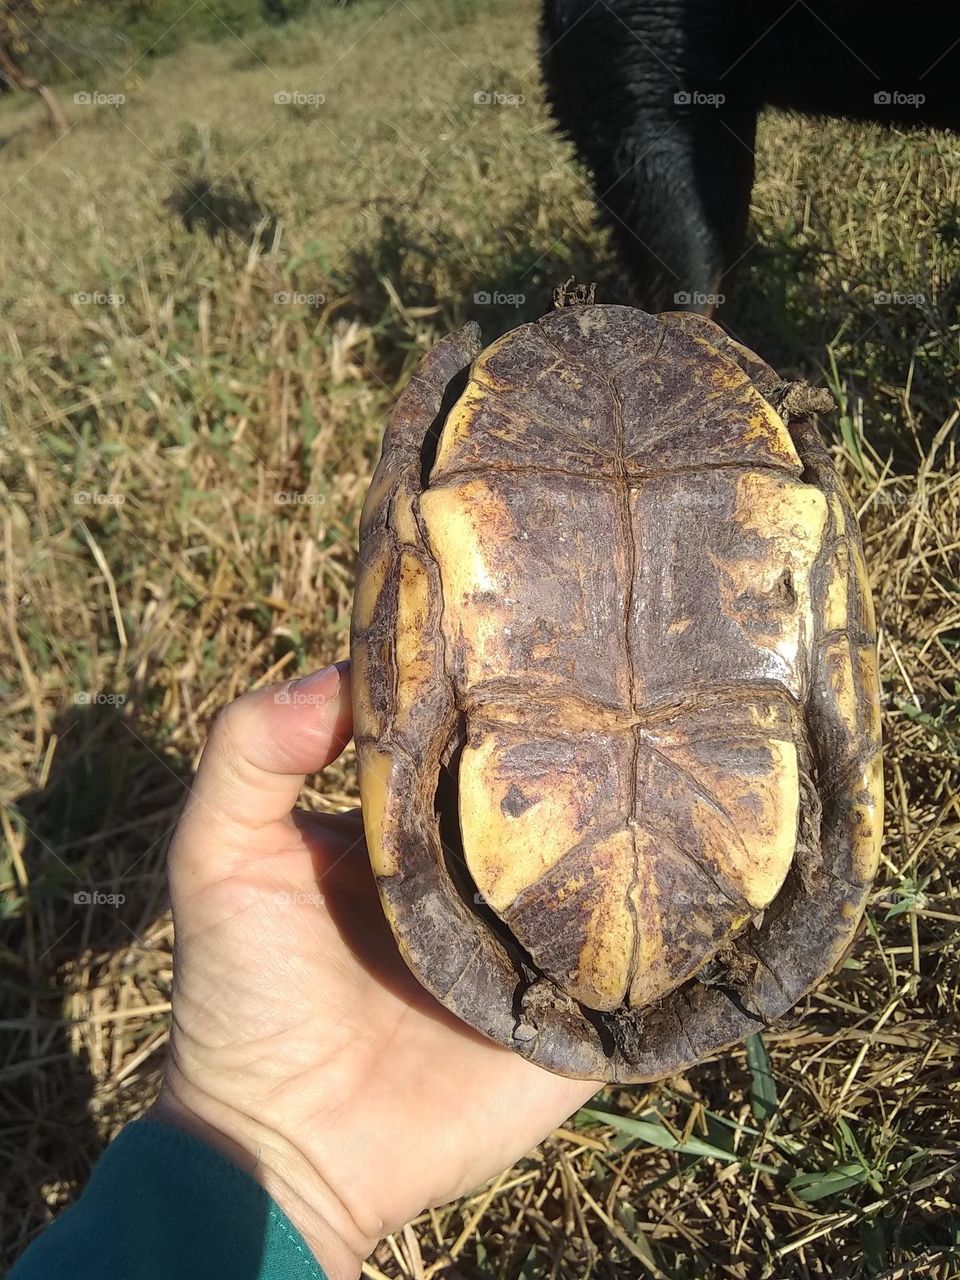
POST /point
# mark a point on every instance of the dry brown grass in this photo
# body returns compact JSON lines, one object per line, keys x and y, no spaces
{"x":151,"y":572}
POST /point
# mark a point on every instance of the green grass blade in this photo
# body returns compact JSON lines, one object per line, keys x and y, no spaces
{"x":763,"y":1090}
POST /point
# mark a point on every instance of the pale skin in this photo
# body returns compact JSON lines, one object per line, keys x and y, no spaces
{"x":301,"y":1045}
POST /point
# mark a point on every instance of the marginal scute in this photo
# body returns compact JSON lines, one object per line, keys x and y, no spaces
{"x":458,"y":426}
{"x":415,"y":644}
{"x":374,"y":774}
{"x":375,"y":504}
{"x":837,"y":596}
{"x":864,"y":594}
{"x":372,"y":583}
{"x":841,"y":663}
{"x":866,"y":819}
{"x":837,"y":515}
{"x":403,"y":517}
{"x":367,"y":722}
{"x":869,"y":680}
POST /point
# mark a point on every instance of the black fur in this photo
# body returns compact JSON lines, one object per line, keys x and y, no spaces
{"x":674,"y":176}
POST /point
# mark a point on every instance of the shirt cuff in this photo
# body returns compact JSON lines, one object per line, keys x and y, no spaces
{"x":159,"y":1204}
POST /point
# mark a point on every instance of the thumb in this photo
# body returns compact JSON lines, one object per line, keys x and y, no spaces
{"x":253,"y":767}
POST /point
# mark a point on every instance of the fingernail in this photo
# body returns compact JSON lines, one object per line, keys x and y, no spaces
{"x":314,"y":690}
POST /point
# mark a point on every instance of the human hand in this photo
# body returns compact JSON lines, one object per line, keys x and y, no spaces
{"x":301,"y":1044}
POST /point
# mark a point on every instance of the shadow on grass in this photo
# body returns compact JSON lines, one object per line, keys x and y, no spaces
{"x":431,"y":275}
{"x":222,"y":210}
{"x":89,"y":913}
{"x":883,"y":344}
{"x":888,"y":346}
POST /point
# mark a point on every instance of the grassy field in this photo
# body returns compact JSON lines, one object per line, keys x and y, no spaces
{"x":208,"y":301}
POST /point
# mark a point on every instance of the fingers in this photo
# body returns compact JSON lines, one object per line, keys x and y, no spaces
{"x":254,"y":763}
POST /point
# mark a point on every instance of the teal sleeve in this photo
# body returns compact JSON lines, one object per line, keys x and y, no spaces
{"x":162,"y":1204}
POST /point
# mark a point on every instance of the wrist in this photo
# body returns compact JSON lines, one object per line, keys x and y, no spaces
{"x":271,"y":1160}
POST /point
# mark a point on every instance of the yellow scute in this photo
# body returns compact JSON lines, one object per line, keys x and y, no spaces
{"x":370,"y":583}
{"x":744,"y":827}
{"x":384,"y":479}
{"x":512,"y":834}
{"x":764,"y":814}
{"x":651,"y":977}
{"x":835,"y":612}
{"x":471,"y":532}
{"x":762,"y":422}
{"x":457,"y":427}
{"x":783,"y":510}
{"x":415,"y":642}
{"x":403,"y":517}
{"x":867,"y":818}
{"x":374,"y":776}
{"x":601,"y":977}
{"x":784,"y":520}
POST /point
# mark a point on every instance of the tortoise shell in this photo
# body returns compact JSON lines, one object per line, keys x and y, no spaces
{"x":615,"y":691}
